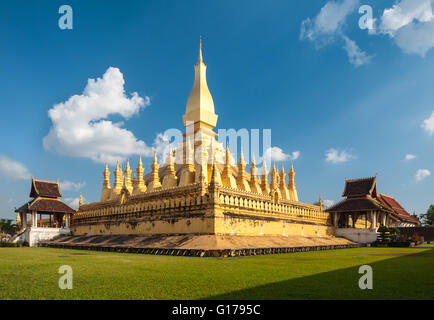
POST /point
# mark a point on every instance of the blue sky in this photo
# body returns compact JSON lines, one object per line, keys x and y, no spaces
{"x":354,"y":102}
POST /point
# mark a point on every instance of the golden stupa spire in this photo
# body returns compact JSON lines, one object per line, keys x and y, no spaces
{"x":188,"y":171}
{"x":291,"y":184}
{"x":282,"y":176}
{"x":200,"y":105}
{"x":127,"y":174}
{"x":264,"y":179}
{"x":155,"y":183}
{"x":320,"y":204}
{"x":228,"y":180}
{"x":106,"y":174}
{"x":139,"y":186}
{"x":242,"y":182}
{"x":80,"y":201}
{"x":274,"y":183}
{"x":106,"y":187}
{"x":118,"y":178}
{"x":170,"y":179}
{"x":282,"y":187}
{"x":254,"y":183}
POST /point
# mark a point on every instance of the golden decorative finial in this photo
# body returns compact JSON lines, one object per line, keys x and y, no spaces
{"x":140,"y":186}
{"x":200,"y":105}
{"x":227,"y":154}
{"x":155,"y":183}
{"x":200,"y":51}
{"x":242,"y":156}
{"x":264,"y":167}
{"x":215,"y":177}
{"x":155,"y":157}
{"x":80,"y":202}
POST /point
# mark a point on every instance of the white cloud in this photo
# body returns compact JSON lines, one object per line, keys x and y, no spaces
{"x":428,"y":124}
{"x":422,"y":174}
{"x":73,"y":202}
{"x":409,"y":156}
{"x":294,"y":155}
{"x":328,"y":22}
{"x":328,"y":25}
{"x":410,"y":23}
{"x":69,"y":185}
{"x":336,"y":156}
{"x":81,"y":127}
{"x":277,"y":154}
{"x":328,"y":203}
{"x":13,"y":169}
{"x":405,"y":12}
{"x":356,"y":56}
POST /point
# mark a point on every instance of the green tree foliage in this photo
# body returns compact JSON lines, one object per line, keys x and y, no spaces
{"x":384,"y":234}
{"x":428,"y":217}
{"x":7,"y":225}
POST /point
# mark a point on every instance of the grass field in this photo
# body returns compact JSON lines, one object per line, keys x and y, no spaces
{"x":399,"y":273}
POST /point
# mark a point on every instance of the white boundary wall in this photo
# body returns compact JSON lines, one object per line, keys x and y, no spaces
{"x":357,"y":235}
{"x":34,"y":235}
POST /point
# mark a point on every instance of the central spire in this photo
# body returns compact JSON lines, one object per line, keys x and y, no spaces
{"x":200,"y":105}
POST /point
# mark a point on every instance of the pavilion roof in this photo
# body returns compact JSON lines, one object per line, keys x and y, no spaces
{"x":50,"y":205}
{"x":42,"y":188}
{"x":360,"y":187}
{"x":357,"y":204}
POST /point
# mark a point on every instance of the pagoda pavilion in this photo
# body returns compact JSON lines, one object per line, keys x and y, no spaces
{"x":49,"y":216}
{"x":363,"y":211}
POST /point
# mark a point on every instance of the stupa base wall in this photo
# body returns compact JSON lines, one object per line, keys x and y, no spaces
{"x":225,"y":224}
{"x":199,"y":224}
{"x":249,"y":225}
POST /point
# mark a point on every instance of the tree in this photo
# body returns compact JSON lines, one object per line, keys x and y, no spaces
{"x":428,"y":217}
{"x":7,"y":226}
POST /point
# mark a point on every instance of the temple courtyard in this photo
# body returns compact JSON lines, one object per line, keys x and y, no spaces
{"x":398,"y":273}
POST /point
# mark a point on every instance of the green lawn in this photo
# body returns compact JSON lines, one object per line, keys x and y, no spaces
{"x":399,"y":273}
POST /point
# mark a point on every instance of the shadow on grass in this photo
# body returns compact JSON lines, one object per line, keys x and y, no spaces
{"x":408,"y":276}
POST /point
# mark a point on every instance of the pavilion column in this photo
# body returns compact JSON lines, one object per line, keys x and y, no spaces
{"x":23,"y":217}
{"x":336,"y":219}
{"x":373,"y":220}
{"x":66,"y":220}
{"x":384,"y":219}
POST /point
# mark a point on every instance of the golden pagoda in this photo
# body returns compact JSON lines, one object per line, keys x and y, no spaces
{"x":200,"y":190}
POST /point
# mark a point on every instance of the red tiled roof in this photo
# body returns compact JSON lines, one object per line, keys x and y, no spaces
{"x":360,"y":187}
{"x":399,"y":211}
{"x":46,"y":205}
{"x":41,"y":188}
